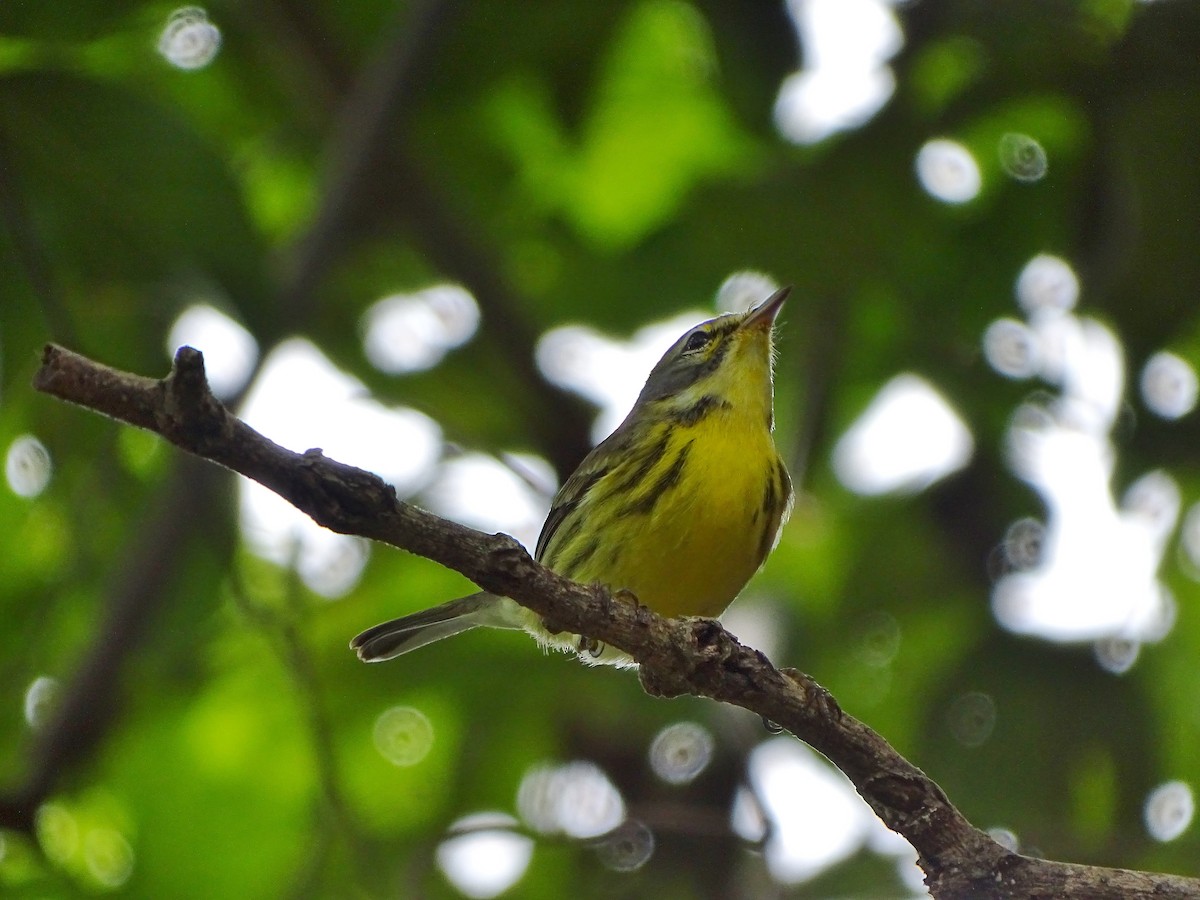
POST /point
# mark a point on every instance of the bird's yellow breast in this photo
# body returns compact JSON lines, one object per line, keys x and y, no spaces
{"x":703,"y":538}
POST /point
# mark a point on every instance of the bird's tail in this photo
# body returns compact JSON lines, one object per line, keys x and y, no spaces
{"x":389,"y":639}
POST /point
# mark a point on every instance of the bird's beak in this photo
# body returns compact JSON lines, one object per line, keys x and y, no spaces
{"x":763,"y":315}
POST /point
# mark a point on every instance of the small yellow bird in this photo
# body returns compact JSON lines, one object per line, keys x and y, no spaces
{"x":679,"y":506}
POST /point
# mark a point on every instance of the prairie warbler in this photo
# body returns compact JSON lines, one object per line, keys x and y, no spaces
{"x":679,"y":506}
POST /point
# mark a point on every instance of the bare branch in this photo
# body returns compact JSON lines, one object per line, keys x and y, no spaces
{"x":677,"y":656}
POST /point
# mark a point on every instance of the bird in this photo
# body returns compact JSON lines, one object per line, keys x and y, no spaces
{"x":679,"y":507}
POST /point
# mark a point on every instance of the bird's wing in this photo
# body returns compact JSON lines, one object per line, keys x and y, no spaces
{"x":595,"y":466}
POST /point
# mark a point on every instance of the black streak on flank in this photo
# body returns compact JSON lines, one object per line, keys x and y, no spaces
{"x":665,"y":482}
{"x":770,"y":501}
{"x":645,"y":465}
{"x":775,"y":495}
{"x":572,"y":564}
{"x":785,"y":482}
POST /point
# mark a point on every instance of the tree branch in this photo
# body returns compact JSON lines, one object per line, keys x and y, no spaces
{"x":677,"y":656}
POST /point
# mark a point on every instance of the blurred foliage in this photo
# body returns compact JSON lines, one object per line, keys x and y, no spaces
{"x":606,"y":163}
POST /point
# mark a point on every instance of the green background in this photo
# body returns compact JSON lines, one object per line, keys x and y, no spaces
{"x":606,"y":163}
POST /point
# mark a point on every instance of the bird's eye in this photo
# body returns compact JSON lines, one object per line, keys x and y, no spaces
{"x":696,"y":341}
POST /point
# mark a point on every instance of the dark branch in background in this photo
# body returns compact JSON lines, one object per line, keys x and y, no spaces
{"x":89,"y":703}
{"x":557,"y":422}
{"x":374,"y":181}
{"x":364,"y":125}
{"x":677,"y":656}
{"x":818,"y":367}
{"x":31,"y":251}
{"x":333,"y":818}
